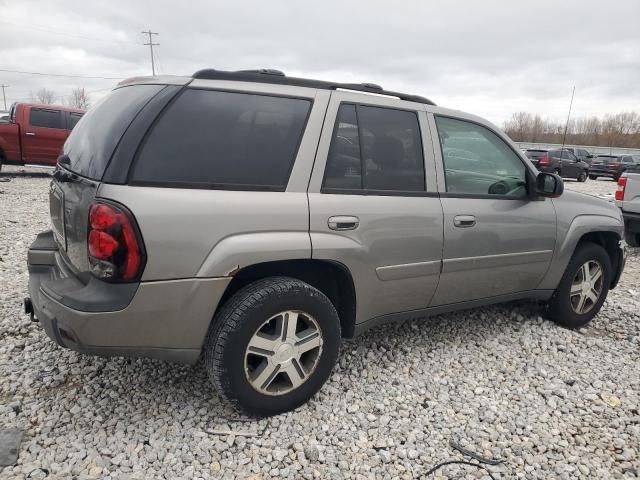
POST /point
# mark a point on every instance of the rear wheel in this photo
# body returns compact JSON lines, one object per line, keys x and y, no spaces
{"x":557,"y":172}
{"x":272,"y":345}
{"x":593,"y":177}
{"x":583,"y":288}
{"x":582,"y":177}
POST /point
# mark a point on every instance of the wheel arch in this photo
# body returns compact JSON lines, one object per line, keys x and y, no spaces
{"x":600,"y":229}
{"x":331,"y":278}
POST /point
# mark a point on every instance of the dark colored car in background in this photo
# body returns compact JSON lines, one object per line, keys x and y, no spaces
{"x":560,"y":161}
{"x":612,"y":166}
{"x":582,"y":154}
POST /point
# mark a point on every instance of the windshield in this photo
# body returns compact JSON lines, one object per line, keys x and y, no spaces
{"x":95,"y":137}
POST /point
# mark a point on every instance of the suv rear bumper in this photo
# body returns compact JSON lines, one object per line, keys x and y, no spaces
{"x":164,"y":319}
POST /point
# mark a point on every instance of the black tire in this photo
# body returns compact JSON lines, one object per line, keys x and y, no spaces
{"x":560,"y":308}
{"x":582,"y":177}
{"x":237,"y":322}
{"x":558,"y":172}
{"x":593,"y":177}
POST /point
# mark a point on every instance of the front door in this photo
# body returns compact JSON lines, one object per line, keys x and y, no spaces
{"x":373,"y":202}
{"x":43,"y":135}
{"x":497,"y":241}
{"x":571,"y":167}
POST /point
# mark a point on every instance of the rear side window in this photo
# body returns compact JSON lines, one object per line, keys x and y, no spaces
{"x":375,"y":149}
{"x":216,"y":139}
{"x":92,"y":142}
{"x":73,"y":119}
{"x":39,"y":117}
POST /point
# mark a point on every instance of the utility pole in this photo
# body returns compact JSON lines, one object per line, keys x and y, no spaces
{"x":151,"y":45}
{"x":4,"y":97}
{"x":566,"y":125}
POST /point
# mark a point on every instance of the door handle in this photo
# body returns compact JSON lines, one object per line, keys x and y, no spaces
{"x":30,"y":134}
{"x":343,"y":222}
{"x":464,"y":221}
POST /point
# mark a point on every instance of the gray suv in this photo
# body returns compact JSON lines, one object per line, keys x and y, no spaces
{"x":255,"y":219}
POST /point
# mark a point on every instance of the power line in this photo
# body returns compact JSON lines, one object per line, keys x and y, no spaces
{"x":4,"y":96}
{"x":58,"y":32}
{"x":151,"y":45}
{"x":59,"y":75}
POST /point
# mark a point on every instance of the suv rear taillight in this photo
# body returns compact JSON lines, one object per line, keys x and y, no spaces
{"x":622,"y":184}
{"x":546,"y":160}
{"x":116,"y":253}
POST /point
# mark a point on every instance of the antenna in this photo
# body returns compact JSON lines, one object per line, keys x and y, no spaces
{"x":566,"y":125}
{"x":151,"y":45}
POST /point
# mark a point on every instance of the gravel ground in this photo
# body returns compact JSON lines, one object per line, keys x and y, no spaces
{"x":502,"y":381}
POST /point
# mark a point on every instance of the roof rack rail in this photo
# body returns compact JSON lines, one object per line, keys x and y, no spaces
{"x":267,"y":75}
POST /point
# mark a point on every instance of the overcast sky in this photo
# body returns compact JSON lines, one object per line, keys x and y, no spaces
{"x":487,"y":57}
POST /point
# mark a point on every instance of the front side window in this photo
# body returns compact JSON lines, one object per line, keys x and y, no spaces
{"x":216,"y":139}
{"x":478,"y":162}
{"x":39,"y":117}
{"x":375,"y":149}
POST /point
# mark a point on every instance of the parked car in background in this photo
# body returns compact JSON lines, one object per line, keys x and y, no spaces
{"x":256,"y":219}
{"x":559,"y":161}
{"x":4,"y":116}
{"x":628,"y":199}
{"x":580,"y":153}
{"x":611,"y":166}
{"x":34,"y":133}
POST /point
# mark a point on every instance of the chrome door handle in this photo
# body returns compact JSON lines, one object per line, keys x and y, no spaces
{"x":343,"y":222}
{"x":30,"y":134}
{"x":464,"y":221}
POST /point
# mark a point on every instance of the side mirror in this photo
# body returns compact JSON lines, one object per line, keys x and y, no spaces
{"x":549,"y":185}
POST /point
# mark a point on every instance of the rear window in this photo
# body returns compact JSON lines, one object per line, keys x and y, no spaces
{"x":93,"y":140}
{"x":40,"y":117}
{"x":535,"y":153}
{"x":216,"y":139}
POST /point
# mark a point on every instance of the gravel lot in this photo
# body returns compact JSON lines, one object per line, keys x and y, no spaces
{"x":502,"y":381}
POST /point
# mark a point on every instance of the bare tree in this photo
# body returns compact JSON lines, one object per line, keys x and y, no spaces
{"x":79,"y":98}
{"x":615,"y":130}
{"x":44,"y":95}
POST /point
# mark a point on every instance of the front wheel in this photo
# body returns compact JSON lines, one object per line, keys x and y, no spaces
{"x":272,"y":345}
{"x":583,"y":288}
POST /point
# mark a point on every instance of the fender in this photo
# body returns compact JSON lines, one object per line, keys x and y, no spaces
{"x":239,"y":251}
{"x":568,"y":238}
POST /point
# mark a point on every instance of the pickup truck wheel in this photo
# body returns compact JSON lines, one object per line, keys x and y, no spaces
{"x":583,"y":288}
{"x":272,"y":346}
{"x":593,"y":177}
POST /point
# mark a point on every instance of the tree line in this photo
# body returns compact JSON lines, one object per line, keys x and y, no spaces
{"x":611,"y":130}
{"x":79,"y":98}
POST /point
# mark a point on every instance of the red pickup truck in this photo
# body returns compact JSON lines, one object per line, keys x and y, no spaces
{"x":34,"y":134}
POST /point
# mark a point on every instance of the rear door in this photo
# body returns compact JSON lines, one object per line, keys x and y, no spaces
{"x":373,"y":202}
{"x":497,"y":241}
{"x":43,"y":134}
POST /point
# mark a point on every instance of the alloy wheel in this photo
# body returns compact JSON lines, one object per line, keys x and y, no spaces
{"x":283,"y":352}
{"x":586,"y":287}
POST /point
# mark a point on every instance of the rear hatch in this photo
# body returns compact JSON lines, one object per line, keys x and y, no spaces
{"x":600,"y":163}
{"x":85,"y":157}
{"x":536,"y":155}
